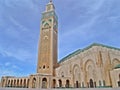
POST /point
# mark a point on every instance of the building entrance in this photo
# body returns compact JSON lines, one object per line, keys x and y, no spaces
{"x":91,"y":83}
{"x":44,"y":83}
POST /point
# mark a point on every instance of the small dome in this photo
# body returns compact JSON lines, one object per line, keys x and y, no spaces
{"x":117,"y":66}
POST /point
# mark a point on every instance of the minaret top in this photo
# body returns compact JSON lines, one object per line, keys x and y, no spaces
{"x":50,"y":0}
{"x":50,"y":6}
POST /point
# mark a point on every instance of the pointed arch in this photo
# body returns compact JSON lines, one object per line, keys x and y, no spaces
{"x":60,"y":82}
{"x":11,"y":83}
{"x":14,"y":82}
{"x":46,"y":25}
{"x":89,"y":68}
{"x":21,"y":83}
{"x":17,"y":83}
{"x":27,"y":83}
{"x":24,"y":83}
{"x":44,"y":83}
{"x":67,"y":83}
{"x":76,"y":75}
{"x":8,"y":84}
{"x":54,"y":83}
{"x":34,"y":83}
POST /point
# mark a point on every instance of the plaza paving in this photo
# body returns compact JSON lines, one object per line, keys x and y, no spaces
{"x":62,"y":89}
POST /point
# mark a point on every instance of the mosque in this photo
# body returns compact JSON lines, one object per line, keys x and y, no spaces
{"x":95,"y":66}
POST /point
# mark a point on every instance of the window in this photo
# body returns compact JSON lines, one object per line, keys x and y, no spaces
{"x":62,"y":74}
{"x":44,"y":67}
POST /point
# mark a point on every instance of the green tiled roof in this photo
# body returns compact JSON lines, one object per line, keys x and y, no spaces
{"x":82,"y":50}
{"x":70,"y":55}
{"x":116,"y":67}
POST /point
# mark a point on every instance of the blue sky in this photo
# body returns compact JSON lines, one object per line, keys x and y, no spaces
{"x":81,"y":23}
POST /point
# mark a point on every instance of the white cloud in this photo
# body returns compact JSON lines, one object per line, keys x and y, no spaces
{"x":16,"y":23}
{"x":19,"y":54}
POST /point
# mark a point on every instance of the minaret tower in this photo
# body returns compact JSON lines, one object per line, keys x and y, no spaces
{"x":47,"y":53}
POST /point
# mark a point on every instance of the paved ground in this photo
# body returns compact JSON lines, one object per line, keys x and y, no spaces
{"x":62,"y":89}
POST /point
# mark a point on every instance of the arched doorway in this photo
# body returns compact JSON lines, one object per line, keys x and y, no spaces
{"x":77,"y":84}
{"x":67,"y":83}
{"x":18,"y":83}
{"x":27,"y":83}
{"x":44,"y":83}
{"x":60,"y":83}
{"x":14,"y":83}
{"x":8,"y":83}
{"x":91,"y":83}
{"x":34,"y":83}
{"x":24,"y":85}
{"x":11,"y":83}
{"x":21,"y":83}
{"x":54,"y":83}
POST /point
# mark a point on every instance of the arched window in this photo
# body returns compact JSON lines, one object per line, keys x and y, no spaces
{"x":62,"y":74}
{"x":44,"y":67}
{"x":46,"y":25}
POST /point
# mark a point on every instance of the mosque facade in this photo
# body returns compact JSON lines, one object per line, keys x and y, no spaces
{"x":95,"y":66}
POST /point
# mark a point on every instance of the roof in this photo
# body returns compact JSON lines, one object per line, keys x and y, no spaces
{"x":82,"y":50}
{"x":117,"y":66}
